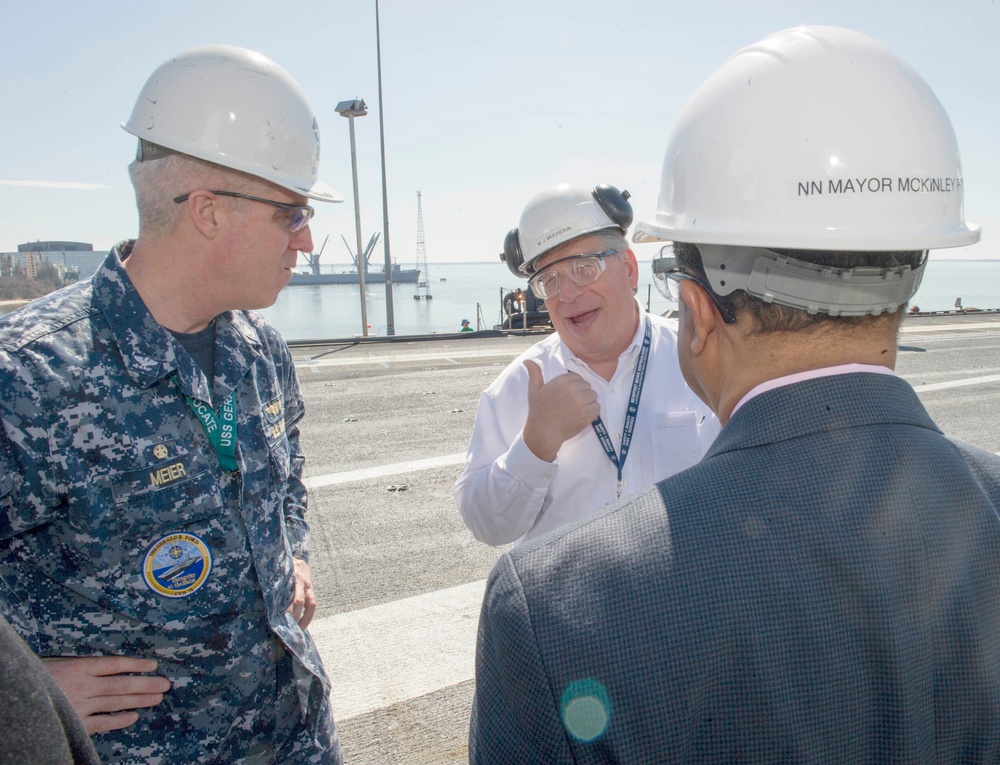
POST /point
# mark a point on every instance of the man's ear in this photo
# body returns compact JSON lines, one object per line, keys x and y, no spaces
{"x":631,"y":268}
{"x":205,"y":212}
{"x":702,"y":317}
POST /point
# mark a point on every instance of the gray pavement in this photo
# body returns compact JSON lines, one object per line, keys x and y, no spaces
{"x":398,"y":576}
{"x":389,"y":536}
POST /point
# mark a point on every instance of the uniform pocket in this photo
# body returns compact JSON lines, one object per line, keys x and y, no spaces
{"x":173,"y":536}
{"x":176,"y":490}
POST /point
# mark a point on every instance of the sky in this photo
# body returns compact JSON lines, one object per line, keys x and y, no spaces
{"x":485,"y":103}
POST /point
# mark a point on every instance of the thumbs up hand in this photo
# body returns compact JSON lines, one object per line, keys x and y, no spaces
{"x":557,"y":410}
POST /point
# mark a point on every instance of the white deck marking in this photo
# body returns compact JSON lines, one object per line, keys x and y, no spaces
{"x":365,"y":474}
{"x":385,"y":654}
{"x":956,"y":383}
{"x":446,"y":460}
{"x":499,"y":350}
{"x":387,"y":360}
{"x":917,"y":328}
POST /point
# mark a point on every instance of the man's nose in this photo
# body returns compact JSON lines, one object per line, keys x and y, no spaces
{"x":568,"y":292}
{"x":302,"y":240}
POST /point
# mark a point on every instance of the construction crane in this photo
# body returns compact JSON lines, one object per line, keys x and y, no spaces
{"x":366,"y":256}
{"x":423,"y":290}
{"x":313,"y":258}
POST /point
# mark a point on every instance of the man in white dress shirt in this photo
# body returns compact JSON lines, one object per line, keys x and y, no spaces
{"x":598,"y":410}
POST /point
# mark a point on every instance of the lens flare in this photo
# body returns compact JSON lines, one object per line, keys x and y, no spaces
{"x":585,"y":708}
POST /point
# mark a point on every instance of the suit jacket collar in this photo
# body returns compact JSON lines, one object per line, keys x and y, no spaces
{"x":824,"y":404}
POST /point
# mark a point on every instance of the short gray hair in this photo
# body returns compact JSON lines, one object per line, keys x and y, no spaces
{"x":612,"y":239}
{"x":158,"y":181}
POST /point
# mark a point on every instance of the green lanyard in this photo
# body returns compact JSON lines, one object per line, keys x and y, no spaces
{"x":220,"y":428}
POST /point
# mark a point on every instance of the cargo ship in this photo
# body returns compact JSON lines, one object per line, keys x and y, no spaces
{"x":399,"y":276}
{"x":315,"y":276}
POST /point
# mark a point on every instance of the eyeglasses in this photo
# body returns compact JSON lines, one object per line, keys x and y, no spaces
{"x":666,"y":271}
{"x":583,"y":270}
{"x":293,"y":217}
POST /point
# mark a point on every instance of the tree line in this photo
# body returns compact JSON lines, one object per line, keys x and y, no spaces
{"x":15,"y":284}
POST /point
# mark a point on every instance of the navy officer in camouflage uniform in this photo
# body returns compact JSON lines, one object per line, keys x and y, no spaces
{"x":153,"y":542}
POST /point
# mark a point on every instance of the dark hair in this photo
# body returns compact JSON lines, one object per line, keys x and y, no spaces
{"x":772,"y":317}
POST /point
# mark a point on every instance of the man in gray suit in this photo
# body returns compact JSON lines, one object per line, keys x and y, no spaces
{"x":825,"y":585}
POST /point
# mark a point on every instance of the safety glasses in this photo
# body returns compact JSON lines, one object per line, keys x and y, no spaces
{"x":293,"y":217}
{"x":666,"y":275}
{"x":582,"y":270}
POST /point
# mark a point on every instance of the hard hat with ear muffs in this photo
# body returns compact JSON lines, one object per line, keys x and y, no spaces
{"x":559,"y":214}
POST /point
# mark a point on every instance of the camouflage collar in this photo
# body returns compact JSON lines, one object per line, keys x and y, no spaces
{"x":149,"y":352}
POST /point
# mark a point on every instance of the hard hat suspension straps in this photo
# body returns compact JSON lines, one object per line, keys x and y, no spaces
{"x":814,"y":288}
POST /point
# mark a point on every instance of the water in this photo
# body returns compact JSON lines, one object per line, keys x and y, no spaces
{"x":474,"y":291}
{"x":977,"y":282}
{"x":470,"y":291}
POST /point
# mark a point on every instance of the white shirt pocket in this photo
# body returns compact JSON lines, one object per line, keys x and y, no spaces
{"x":676,"y":445}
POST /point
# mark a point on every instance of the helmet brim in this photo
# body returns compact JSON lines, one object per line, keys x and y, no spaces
{"x":323,"y":193}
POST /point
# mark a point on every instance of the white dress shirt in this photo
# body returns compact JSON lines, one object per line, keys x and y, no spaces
{"x":506,"y":493}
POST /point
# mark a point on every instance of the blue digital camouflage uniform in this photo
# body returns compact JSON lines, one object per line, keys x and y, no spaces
{"x":120,"y":533}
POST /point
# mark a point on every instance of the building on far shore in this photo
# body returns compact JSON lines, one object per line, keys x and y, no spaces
{"x":68,"y":257}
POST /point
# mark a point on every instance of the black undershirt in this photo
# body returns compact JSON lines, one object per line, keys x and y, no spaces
{"x":201,"y":347}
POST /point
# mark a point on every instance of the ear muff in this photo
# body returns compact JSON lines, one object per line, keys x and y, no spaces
{"x":615,"y":203}
{"x":511,"y":254}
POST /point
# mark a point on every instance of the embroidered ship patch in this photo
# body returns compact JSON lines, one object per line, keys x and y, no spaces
{"x":177,"y":565}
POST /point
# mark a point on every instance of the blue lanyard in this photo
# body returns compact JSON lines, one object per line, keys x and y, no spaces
{"x":219,"y":428}
{"x":631,"y":414}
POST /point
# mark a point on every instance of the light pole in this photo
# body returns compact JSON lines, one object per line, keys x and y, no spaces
{"x":352,"y":109}
{"x":389,"y":318}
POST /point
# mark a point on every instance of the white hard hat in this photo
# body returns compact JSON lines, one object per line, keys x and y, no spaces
{"x":564,"y":212}
{"x":814,"y":138}
{"x":235,"y":108}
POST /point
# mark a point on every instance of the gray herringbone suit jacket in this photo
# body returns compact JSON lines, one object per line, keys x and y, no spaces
{"x":823,"y":587}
